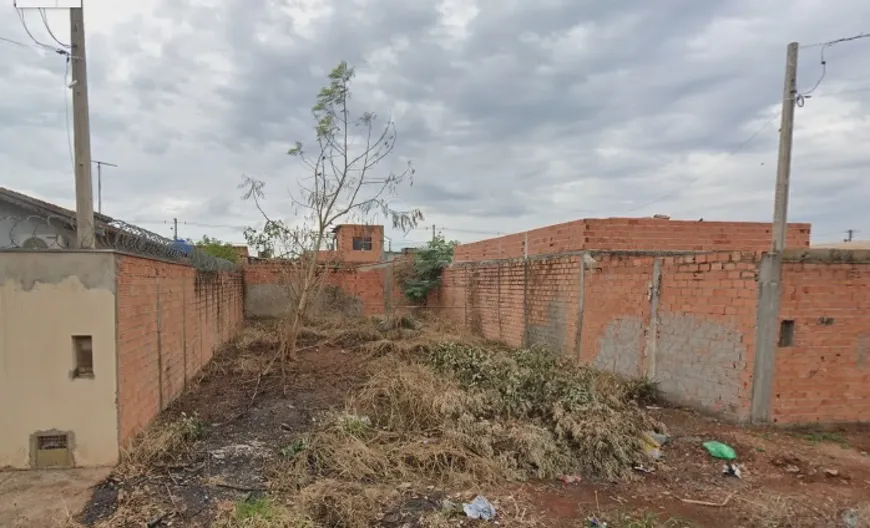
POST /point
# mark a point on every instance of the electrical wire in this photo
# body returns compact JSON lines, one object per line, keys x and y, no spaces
{"x":801,"y":97}
{"x":740,"y":147}
{"x":48,"y":28}
{"x":23,"y":20}
{"x":15,"y":42}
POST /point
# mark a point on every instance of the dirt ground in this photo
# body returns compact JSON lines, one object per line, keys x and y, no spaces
{"x":45,"y":498}
{"x":808,"y":479}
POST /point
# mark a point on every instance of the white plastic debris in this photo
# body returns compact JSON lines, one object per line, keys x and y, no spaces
{"x":479,"y":508}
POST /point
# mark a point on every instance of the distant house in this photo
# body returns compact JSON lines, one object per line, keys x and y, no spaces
{"x":27,"y":222}
{"x":855,"y":244}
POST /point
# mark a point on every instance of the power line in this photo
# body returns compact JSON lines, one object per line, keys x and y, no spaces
{"x":23,"y":20}
{"x":740,"y":147}
{"x":48,"y":28}
{"x":800,"y":98}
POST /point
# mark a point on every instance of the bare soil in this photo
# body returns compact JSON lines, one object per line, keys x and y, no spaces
{"x":45,"y":498}
{"x":805,"y":479}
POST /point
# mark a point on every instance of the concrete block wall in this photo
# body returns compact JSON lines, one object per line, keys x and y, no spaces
{"x":705,"y":331}
{"x":633,"y":234}
{"x":824,"y":376}
{"x":171,"y":318}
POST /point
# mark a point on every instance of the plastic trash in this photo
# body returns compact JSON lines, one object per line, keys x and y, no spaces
{"x":479,"y":508}
{"x":652,"y":444}
{"x":732,"y":470}
{"x":720,"y":450}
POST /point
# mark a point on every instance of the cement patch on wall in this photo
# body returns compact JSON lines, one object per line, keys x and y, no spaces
{"x":619,"y":349}
{"x":273,"y":300}
{"x":700,"y":362}
{"x":266,"y":300}
{"x":550,"y":335}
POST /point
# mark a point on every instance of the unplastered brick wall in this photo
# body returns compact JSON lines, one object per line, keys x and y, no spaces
{"x":633,"y":234}
{"x":171,"y":319}
{"x":822,"y":368}
{"x":267,"y":286}
{"x":705,"y":330}
{"x":686,"y":319}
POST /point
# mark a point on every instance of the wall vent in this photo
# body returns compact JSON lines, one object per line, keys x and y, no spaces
{"x":51,"y":449}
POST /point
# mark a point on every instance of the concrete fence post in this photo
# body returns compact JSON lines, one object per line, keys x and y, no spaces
{"x":498,"y":298}
{"x":159,"y":319}
{"x":767,"y":319}
{"x":581,"y":298}
{"x":526,"y":290}
{"x":653,"y":330}
{"x":388,"y":290}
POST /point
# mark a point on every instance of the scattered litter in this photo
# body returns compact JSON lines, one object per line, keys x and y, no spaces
{"x":479,"y":508}
{"x":720,"y":450}
{"x":832,"y":473}
{"x":731,"y":470}
{"x":652,"y":444}
{"x":595,"y":523}
{"x":792,"y":469}
{"x":851,"y":518}
{"x":570,"y":479}
{"x":643,"y":469}
{"x":653,"y":407}
{"x":662,"y":439}
{"x":713,"y":504}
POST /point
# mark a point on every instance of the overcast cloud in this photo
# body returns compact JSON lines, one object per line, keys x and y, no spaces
{"x":516,"y":114}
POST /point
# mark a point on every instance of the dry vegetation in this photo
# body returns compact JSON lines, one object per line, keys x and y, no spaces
{"x":434,"y":416}
{"x":444,"y":410}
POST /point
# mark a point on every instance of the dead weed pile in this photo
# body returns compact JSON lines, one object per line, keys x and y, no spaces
{"x":460,"y":414}
{"x":165,"y":441}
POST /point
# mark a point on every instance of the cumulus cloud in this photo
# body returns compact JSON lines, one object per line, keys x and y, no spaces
{"x":516,"y":114}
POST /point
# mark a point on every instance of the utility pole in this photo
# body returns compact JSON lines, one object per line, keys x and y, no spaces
{"x":100,"y":182}
{"x":433,"y":232}
{"x":783,"y":166}
{"x":82,"y":131}
{"x":850,"y":234}
{"x":175,"y":229}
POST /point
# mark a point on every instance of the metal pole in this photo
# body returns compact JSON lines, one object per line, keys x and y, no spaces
{"x":100,"y":182}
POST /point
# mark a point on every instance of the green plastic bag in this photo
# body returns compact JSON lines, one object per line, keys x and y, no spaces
{"x":720,"y":450}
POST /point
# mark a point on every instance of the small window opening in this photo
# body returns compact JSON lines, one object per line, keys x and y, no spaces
{"x":83,"y":348}
{"x":362,"y":243}
{"x":786,"y":333}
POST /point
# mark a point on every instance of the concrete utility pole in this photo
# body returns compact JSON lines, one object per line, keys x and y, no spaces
{"x":433,"y":232}
{"x":850,"y":234}
{"x":100,"y":182}
{"x":175,"y":229}
{"x":82,"y":131}
{"x":783,"y":166}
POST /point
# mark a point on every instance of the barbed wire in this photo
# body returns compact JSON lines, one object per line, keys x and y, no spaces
{"x":55,"y":232}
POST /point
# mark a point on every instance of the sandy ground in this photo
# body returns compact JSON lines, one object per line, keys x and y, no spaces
{"x":45,"y":498}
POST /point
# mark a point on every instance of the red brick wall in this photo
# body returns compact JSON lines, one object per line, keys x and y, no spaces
{"x":704,"y":324}
{"x":171,"y":319}
{"x":630,"y":234}
{"x":367,"y":284}
{"x":825,"y":376}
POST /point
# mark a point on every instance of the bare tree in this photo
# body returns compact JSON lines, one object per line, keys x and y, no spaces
{"x":341,"y":185}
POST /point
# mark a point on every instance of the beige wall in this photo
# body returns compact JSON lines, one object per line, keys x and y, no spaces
{"x":45,"y":299}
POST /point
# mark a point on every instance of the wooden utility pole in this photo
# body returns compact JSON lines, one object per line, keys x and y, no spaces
{"x":100,"y":182}
{"x":783,"y":166}
{"x":82,"y":131}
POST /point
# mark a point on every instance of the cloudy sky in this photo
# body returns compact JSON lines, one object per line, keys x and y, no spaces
{"x":515,"y":114}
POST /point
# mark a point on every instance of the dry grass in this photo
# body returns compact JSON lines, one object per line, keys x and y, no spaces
{"x":165,"y":441}
{"x":460,"y":415}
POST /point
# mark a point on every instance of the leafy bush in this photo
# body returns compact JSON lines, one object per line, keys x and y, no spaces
{"x":424,"y":274}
